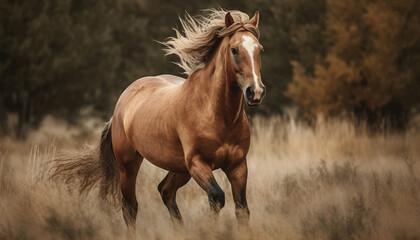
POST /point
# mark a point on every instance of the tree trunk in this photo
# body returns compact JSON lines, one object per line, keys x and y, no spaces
{"x":3,"y":121}
{"x":23,"y":116}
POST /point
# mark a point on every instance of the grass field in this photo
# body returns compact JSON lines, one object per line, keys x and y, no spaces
{"x":328,"y":181}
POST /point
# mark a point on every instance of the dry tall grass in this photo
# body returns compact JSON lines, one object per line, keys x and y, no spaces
{"x":331,"y":181}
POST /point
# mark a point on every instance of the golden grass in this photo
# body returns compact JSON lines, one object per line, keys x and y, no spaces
{"x":330,"y":181}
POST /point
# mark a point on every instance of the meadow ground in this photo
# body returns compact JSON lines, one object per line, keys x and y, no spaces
{"x":328,"y":181}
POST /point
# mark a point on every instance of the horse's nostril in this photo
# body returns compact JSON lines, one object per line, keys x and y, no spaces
{"x":263,"y":93}
{"x":249,"y":93}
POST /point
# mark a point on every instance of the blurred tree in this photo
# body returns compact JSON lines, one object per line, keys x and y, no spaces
{"x":55,"y":59}
{"x":370,"y":67}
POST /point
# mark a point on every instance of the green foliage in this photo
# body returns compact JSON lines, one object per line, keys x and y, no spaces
{"x":55,"y":58}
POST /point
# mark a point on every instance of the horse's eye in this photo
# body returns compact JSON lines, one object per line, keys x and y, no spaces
{"x":234,"y":51}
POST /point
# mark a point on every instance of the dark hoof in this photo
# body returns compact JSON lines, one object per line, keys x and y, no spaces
{"x":216,"y":198}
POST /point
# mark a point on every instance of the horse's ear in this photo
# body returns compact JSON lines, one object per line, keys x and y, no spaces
{"x":255,"y":19}
{"x":228,"y":20}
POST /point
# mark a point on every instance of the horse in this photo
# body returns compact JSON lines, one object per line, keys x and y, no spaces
{"x":188,"y":127}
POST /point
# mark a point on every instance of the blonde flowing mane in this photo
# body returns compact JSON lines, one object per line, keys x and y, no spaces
{"x":201,"y":34}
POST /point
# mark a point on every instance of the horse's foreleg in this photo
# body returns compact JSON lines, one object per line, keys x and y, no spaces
{"x":168,"y":188}
{"x":203,"y":175}
{"x":238,"y":177}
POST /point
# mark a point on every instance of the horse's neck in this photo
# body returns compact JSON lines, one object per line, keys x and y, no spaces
{"x":218,"y":81}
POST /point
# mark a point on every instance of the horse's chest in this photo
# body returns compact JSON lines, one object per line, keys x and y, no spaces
{"x":228,"y":153}
{"x":222,"y":148}
{"x":221,"y":155}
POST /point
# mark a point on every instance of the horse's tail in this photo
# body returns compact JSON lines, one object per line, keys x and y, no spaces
{"x":91,"y":166}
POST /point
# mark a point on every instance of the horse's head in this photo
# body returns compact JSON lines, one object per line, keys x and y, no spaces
{"x":244,"y":50}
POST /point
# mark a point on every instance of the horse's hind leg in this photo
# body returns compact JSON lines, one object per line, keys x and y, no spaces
{"x":129,"y":162}
{"x":128,"y":177}
{"x":168,"y":188}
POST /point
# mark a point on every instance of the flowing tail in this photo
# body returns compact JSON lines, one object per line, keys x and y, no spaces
{"x":92,"y":166}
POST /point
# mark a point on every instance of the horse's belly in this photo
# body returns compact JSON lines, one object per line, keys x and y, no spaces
{"x":159,"y":144}
{"x":165,"y":157}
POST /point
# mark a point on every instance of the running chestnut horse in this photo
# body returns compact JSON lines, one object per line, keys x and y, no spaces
{"x":188,"y":127}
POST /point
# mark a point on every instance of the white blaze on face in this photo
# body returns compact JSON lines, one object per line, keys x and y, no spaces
{"x":249,"y":44}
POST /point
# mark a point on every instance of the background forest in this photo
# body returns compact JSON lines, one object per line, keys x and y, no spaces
{"x":71,"y":58}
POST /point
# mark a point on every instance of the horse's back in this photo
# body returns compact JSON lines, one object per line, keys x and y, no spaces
{"x":146,"y":87}
{"x":159,"y":81}
{"x":172,"y":78}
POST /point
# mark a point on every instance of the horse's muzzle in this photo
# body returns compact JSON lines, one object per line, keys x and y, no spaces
{"x":254,"y":95}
